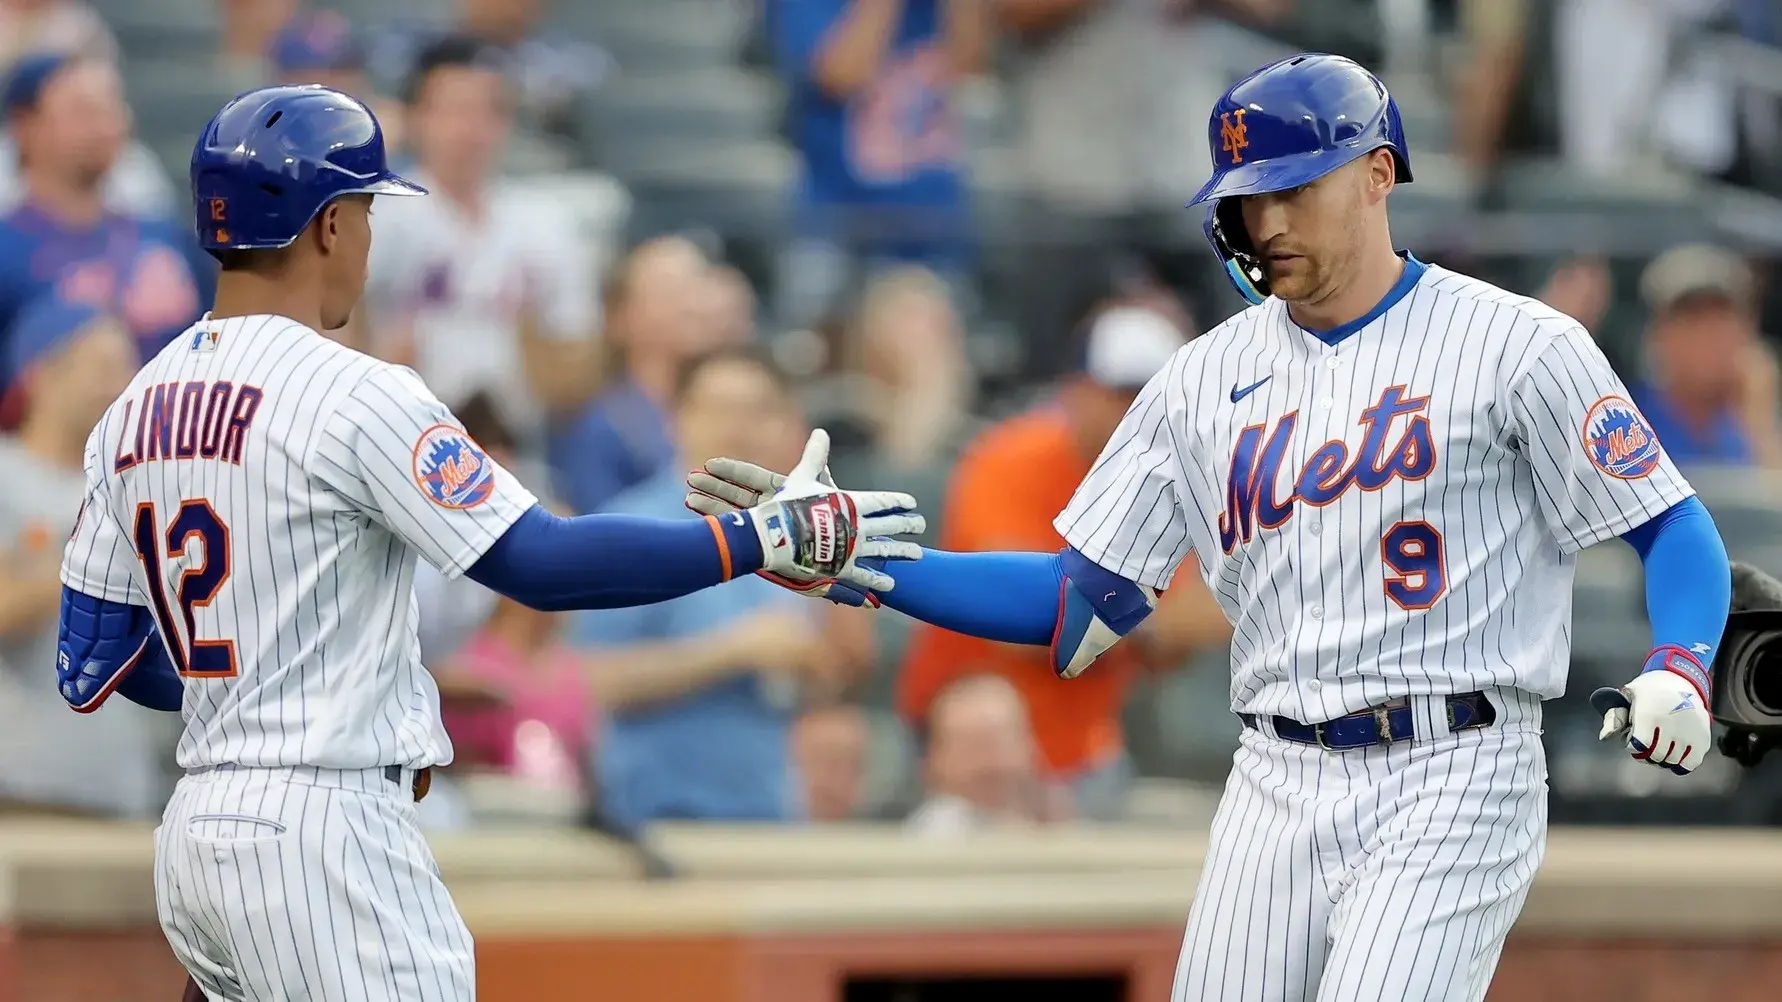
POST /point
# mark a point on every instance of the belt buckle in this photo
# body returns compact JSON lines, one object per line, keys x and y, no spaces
{"x":1383,"y":723}
{"x":1318,"y":732}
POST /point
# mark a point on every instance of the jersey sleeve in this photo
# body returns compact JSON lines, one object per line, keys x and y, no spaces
{"x":99,"y":560}
{"x":395,"y":452}
{"x":1599,"y":469}
{"x":1128,"y":515}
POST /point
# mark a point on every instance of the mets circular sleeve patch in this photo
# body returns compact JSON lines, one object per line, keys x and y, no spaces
{"x":1618,"y":440}
{"x":451,"y":469}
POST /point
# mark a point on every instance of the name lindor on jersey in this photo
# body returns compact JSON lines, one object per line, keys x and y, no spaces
{"x":194,"y":419}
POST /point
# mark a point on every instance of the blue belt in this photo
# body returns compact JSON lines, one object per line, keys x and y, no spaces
{"x":1381,"y":725}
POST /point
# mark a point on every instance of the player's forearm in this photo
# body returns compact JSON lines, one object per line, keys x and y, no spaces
{"x":650,"y":673}
{"x":606,"y":561}
{"x":1688,"y":579}
{"x":852,"y":51}
{"x":1008,"y":596}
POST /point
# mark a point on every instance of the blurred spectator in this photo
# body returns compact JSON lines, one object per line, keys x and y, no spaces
{"x":1488,"y":77}
{"x":732,"y":305}
{"x":701,"y":691}
{"x":69,"y":119}
{"x":906,"y":379}
{"x":1009,"y":485}
{"x":68,"y":27}
{"x":451,"y":610}
{"x":979,"y":768}
{"x":249,"y":27}
{"x":1626,"y":93}
{"x":872,"y":117}
{"x":72,"y":361}
{"x":829,"y":747}
{"x":550,"y":71}
{"x":1580,"y":288}
{"x":319,"y":47}
{"x":517,"y":701}
{"x":1711,"y":386}
{"x":658,"y":314}
{"x":483,"y":285}
{"x":1112,"y":136}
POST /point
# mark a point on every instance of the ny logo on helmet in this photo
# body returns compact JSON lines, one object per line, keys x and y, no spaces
{"x":1234,"y":134}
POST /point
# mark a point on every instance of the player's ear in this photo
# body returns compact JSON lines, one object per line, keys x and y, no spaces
{"x":1382,"y":173}
{"x":328,"y":228}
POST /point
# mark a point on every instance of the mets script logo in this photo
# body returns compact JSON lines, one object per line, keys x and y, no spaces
{"x":1618,"y":440}
{"x":1254,"y":489}
{"x":451,"y":469}
{"x":1234,"y":135}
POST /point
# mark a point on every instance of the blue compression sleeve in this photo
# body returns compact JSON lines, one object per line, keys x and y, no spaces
{"x":1688,"y":580}
{"x":104,"y":647}
{"x":1011,"y":597}
{"x":607,"y":561}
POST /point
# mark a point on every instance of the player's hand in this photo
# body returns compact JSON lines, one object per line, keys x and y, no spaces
{"x":1663,"y":712}
{"x":722,"y":486}
{"x":814,"y":536}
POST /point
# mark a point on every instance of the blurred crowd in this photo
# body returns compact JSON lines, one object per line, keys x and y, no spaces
{"x":602,"y":363}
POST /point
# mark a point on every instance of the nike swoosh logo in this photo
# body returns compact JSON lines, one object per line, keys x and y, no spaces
{"x":1239,"y":394}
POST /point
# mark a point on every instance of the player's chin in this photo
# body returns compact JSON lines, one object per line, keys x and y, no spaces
{"x":1289,"y":279}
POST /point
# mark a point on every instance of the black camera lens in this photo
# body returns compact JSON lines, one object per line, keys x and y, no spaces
{"x":1765,"y":681}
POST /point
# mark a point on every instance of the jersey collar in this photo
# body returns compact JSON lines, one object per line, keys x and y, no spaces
{"x":1407,"y":281}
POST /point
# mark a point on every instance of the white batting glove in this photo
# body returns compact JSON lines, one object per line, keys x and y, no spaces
{"x":814,"y":536}
{"x":1663,"y":712}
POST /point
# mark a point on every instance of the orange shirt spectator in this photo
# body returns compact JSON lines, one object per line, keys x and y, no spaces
{"x":1008,"y":487}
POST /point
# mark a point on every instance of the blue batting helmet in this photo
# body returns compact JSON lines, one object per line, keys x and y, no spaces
{"x":1288,"y":124}
{"x":272,"y":158}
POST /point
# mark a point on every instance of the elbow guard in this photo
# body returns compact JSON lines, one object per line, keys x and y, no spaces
{"x":1096,"y":607}
{"x":99,"y":644}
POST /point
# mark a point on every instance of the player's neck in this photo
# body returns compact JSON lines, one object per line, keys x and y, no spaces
{"x":48,"y":441}
{"x":247,"y":294}
{"x":70,"y":204}
{"x":1354,"y":298}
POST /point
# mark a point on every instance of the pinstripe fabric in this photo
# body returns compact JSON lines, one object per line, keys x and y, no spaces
{"x":286,"y":884}
{"x":325,"y":520}
{"x":287,"y":866}
{"x":1380,"y":875}
{"x":1394,"y":514}
{"x":1512,"y":494}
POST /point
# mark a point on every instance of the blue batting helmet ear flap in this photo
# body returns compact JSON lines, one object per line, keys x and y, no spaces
{"x":1283,"y":126}
{"x":271,"y":159}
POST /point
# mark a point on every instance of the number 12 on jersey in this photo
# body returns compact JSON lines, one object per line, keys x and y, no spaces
{"x":1416,"y":574}
{"x":198,"y":584}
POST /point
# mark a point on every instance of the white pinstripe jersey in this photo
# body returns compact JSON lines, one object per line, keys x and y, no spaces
{"x":265,"y":492}
{"x":1394,"y":513}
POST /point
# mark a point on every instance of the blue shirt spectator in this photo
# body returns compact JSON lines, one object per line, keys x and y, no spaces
{"x":701,"y":691}
{"x":620,"y":439}
{"x":68,"y":117}
{"x":1721,"y":440}
{"x":871,"y":114}
{"x":717,"y":751}
{"x":658,"y":312}
{"x":1711,"y":391}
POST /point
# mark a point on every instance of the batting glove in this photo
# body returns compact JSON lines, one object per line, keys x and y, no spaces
{"x":816,"y":540}
{"x":1663,"y":712}
{"x":722,"y":486}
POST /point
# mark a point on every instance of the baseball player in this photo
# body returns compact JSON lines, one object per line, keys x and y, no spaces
{"x":1385,"y":471}
{"x":255,"y":504}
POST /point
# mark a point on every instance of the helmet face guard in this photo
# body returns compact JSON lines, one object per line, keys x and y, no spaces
{"x":1284,"y":126}
{"x":273,"y":158}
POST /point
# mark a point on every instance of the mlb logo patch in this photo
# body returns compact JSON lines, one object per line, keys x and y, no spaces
{"x":776,"y":532}
{"x":1618,"y":440}
{"x":451,"y":469}
{"x":206,"y":339}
